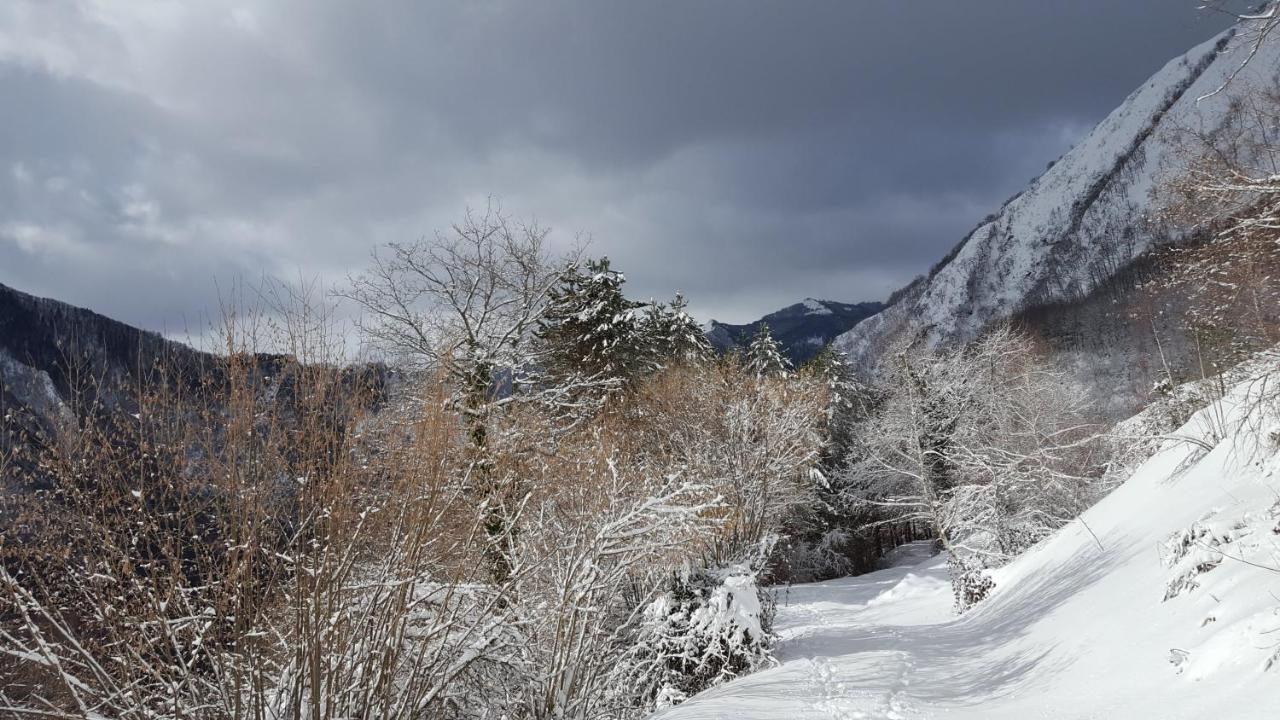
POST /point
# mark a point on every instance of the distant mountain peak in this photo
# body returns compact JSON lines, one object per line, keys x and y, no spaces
{"x":802,"y":329}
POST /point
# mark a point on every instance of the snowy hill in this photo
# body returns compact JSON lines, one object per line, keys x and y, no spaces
{"x":1080,"y":222}
{"x":802,"y":329}
{"x":1162,"y":604}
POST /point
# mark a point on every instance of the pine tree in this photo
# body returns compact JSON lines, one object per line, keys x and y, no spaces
{"x":591,"y":329}
{"x":673,"y":336}
{"x":764,"y":356}
{"x":828,"y":366}
{"x":848,"y":398}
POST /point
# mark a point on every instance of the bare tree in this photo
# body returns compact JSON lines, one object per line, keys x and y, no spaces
{"x":986,"y":445}
{"x":467,"y":302}
{"x":1218,"y":288}
{"x":1257,"y":26}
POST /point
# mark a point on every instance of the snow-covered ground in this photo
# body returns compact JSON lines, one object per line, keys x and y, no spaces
{"x":1079,"y":627}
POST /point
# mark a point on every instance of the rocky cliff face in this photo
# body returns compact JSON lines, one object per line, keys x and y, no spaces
{"x":1088,"y":216}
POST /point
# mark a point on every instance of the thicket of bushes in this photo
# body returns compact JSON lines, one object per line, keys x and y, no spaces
{"x":489,"y":532}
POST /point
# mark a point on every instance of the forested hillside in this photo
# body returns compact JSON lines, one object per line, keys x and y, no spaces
{"x":803,"y":329}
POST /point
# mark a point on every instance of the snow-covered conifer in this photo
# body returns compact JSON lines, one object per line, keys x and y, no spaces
{"x":764,"y":355}
{"x":705,"y":629}
{"x":591,"y":329}
{"x":673,"y":336}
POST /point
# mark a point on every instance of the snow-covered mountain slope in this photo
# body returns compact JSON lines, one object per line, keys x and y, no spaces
{"x":1085,"y":218}
{"x":1159,"y":605}
{"x":802,"y":329}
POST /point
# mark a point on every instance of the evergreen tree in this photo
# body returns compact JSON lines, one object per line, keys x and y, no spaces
{"x":673,"y":336}
{"x":847,"y":397}
{"x":591,"y":329}
{"x":828,"y":366}
{"x":764,"y":356}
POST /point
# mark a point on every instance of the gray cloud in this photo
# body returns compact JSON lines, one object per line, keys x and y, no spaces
{"x":748,"y":154}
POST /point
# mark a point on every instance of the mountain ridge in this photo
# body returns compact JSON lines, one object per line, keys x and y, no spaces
{"x":1087,"y":216}
{"x":802,"y":329}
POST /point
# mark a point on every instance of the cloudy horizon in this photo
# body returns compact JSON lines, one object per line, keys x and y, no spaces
{"x":748,"y":155}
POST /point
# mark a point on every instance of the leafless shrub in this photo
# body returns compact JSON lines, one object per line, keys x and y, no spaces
{"x":986,"y":445}
{"x":277,"y":536}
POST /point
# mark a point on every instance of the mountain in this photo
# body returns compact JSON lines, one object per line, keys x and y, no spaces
{"x":802,"y":329}
{"x":63,"y":368}
{"x":51,"y":352}
{"x":1088,"y":217}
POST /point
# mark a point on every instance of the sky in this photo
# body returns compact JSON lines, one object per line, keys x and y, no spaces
{"x":748,"y":154}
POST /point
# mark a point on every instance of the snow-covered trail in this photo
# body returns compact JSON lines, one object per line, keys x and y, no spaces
{"x":1077,"y":628}
{"x":889,"y":618}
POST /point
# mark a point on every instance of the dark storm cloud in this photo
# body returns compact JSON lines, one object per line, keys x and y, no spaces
{"x":749,"y":154}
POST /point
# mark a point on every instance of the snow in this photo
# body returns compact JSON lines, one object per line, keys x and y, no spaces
{"x":815,"y":307}
{"x":1077,"y":627}
{"x":1087,"y":215}
{"x":733,"y":609}
{"x":33,"y":388}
